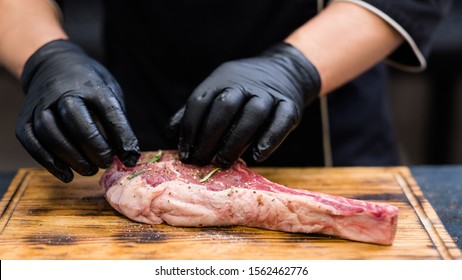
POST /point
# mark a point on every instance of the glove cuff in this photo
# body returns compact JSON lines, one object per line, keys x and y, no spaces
{"x":303,"y":71}
{"x":49,"y":50}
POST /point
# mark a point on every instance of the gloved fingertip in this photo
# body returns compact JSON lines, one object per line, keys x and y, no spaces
{"x":106,"y":165}
{"x":89,"y":172}
{"x":222,"y":162}
{"x":184,"y":154}
{"x":66,"y":177}
{"x":130,"y":158}
{"x":258,"y":155}
{"x":130,"y":154}
{"x":62,"y":171}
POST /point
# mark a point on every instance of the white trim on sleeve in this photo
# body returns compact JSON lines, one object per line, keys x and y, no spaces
{"x":402,"y":31}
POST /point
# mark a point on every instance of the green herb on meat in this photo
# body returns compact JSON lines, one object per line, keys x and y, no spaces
{"x":210,"y":174}
{"x":136,"y":173}
{"x":153,"y":159}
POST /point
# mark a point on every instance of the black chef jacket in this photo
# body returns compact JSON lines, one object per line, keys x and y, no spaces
{"x":159,"y":51}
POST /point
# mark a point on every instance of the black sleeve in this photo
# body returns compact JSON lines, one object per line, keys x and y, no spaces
{"x":416,"y":21}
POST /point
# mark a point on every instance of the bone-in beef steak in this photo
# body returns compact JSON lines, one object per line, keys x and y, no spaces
{"x":179,"y":194}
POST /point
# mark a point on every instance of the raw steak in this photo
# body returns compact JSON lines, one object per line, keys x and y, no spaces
{"x":180,"y":195}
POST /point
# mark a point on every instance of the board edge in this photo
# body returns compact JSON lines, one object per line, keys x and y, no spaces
{"x":13,"y":195}
{"x":430,"y":220}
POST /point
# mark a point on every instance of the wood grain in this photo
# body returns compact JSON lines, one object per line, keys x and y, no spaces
{"x":42,"y":218}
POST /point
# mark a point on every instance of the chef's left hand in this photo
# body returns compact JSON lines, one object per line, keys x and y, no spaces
{"x":255,"y":101}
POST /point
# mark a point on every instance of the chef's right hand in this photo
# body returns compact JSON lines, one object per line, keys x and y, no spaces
{"x":67,"y":95}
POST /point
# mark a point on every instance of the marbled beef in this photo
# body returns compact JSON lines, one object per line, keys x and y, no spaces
{"x":164,"y":189}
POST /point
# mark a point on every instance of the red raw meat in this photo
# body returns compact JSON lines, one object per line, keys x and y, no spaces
{"x":172,"y":192}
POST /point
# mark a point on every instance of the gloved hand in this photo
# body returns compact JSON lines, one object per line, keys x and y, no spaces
{"x":73,"y":115}
{"x":256,"y":100}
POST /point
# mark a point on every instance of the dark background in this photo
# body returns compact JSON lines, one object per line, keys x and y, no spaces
{"x":425,"y":105}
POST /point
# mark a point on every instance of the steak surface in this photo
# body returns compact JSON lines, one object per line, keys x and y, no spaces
{"x":164,"y":189}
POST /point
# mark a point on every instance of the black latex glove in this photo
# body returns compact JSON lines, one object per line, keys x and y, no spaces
{"x":73,"y":115}
{"x":258,"y":100}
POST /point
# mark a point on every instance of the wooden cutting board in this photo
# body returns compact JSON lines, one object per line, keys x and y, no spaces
{"x":42,"y":218}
